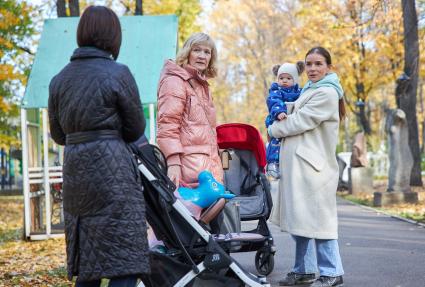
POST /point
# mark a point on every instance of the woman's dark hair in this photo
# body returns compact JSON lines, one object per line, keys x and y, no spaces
{"x":325,"y":53}
{"x":321,"y":51}
{"x":100,"y":27}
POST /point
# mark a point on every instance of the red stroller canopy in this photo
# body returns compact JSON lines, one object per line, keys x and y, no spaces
{"x":242,"y":136}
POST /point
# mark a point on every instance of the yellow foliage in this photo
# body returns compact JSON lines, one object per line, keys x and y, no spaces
{"x":9,"y":24}
{"x":15,"y":33}
{"x":8,"y":19}
{"x":7,"y":73}
{"x":249,"y":46}
{"x":186,"y":10}
{"x":364,"y":38}
{"x":4,"y":106}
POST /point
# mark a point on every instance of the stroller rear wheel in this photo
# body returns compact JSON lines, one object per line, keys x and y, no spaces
{"x":264,"y":261}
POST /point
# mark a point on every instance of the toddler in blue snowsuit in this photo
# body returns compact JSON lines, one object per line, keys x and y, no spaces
{"x":285,"y":90}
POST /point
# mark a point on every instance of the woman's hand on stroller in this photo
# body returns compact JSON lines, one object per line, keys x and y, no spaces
{"x":175,"y":173}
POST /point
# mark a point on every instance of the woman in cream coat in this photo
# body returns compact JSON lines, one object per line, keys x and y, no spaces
{"x":309,"y":174}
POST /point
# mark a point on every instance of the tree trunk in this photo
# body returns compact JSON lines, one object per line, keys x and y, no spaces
{"x":61,"y":8}
{"x":347,"y":145}
{"x":423,"y":137}
{"x":139,"y":7}
{"x":364,"y":121}
{"x":408,"y":99}
{"x":421,"y":102}
{"x":74,"y":8}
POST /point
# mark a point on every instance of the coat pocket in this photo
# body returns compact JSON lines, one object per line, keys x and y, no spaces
{"x":195,"y":111}
{"x":311,"y":156}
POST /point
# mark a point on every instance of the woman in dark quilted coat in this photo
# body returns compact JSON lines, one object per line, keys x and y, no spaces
{"x":94,"y":110}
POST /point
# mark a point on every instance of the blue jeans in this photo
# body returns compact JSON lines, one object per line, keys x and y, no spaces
{"x":126,"y":281}
{"x":317,"y":255}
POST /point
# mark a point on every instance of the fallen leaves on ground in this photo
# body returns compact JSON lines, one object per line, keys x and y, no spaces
{"x":27,"y":263}
{"x":407,"y":210}
{"x":410,"y":211}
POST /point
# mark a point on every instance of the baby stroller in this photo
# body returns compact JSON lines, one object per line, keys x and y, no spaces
{"x":244,"y":158}
{"x":194,"y":254}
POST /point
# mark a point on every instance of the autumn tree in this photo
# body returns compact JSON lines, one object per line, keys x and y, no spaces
{"x":139,"y":7}
{"x":364,"y":38}
{"x":186,"y":10}
{"x":249,"y":46}
{"x":361,"y":17}
{"x":15,"y":29}
{"x":421,"y":80}
{"x":66,"y":8}
{"x":407,"y":98}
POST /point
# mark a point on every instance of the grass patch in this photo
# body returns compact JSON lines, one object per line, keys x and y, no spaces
{"x":10,"y":235}
{"x":363,"y":200}
{"x":414,"y":216}
{"x":414,"y":212}
{"x":55,"y":277}
{"x":380,"y":177}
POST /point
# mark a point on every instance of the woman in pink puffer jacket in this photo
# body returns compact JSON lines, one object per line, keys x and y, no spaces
{"x":186,"y":113}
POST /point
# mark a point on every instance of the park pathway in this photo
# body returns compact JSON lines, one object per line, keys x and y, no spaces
{"x":377,"y":250}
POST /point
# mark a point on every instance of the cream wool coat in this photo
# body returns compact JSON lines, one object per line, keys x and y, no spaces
{"x":308,"y":166}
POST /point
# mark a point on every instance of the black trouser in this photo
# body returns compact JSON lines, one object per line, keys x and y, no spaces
{"x":125,"y":281}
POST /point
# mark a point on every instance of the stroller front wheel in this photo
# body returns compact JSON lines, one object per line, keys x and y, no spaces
{"x":264,"y":261}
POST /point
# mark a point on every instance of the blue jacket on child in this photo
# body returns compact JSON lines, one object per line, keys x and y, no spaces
{"x":276,"y":100}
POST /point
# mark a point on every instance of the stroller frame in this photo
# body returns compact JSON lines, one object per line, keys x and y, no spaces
{"x":246,"y":277}
{"x":244,"y":176}
{"x":215,"y":257}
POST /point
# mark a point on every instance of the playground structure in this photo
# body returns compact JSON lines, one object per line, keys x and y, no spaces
{"x":147,"y":42}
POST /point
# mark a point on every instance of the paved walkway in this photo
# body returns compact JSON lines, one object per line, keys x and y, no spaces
{"x":377,"y":250}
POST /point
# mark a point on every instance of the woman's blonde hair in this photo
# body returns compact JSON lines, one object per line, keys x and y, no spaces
{"x":194,"y":40}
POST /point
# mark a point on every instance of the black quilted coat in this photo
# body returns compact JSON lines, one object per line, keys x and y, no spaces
{"x":104,"y":209}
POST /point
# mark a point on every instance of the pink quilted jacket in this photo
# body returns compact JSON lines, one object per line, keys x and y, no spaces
{"x":186,"y":122}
